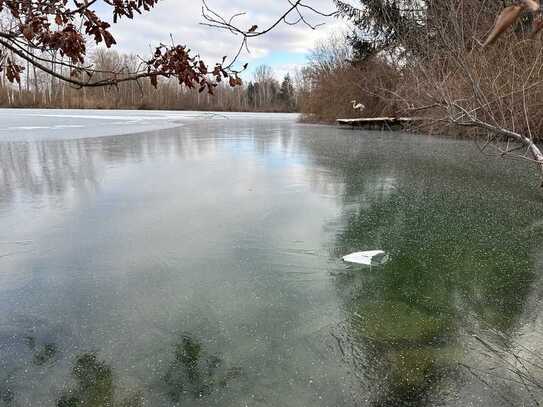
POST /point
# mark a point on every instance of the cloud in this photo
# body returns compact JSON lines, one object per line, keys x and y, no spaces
{"x":281,"y":70}
{"x":181,"y":20}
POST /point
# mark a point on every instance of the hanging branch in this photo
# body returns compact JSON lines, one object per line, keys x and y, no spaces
{"x":214,"y":20}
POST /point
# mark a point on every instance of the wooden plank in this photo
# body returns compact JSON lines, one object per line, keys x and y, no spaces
{"x":379,"y":122}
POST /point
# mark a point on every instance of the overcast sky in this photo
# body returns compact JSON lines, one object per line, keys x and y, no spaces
{"x":284,"y":48}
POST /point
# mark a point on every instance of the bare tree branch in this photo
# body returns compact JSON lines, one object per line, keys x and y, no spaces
{"x":214,"y":20}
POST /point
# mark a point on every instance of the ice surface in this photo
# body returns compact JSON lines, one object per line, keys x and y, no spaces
{"x":56,"y":124}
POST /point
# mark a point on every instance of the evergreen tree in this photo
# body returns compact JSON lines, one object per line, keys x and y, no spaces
{"x":257,"y":95}
{"x":404,"y":26}
{"x":251,"y":94}
{"x":286,"y":93}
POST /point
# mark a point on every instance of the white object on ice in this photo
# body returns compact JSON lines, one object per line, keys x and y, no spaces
{"x":369,"y":258}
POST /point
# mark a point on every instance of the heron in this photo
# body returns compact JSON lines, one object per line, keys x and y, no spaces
{"x":510,"y":15}
{"x":357,"y":105}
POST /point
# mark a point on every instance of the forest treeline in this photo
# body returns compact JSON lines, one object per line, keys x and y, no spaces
{"x":37,"y":89}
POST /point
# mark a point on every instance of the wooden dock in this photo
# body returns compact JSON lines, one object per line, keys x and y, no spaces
{"x":380,"y":123}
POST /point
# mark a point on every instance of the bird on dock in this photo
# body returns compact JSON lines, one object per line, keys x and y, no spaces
{"x":357,"y":106}
{"x":510,"y":15}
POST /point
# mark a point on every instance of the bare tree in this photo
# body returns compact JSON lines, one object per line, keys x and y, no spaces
{"x":264,"y":76}
{"x":330,"y":54}
{"x":495,"y":94}
{"x":297,"y":13}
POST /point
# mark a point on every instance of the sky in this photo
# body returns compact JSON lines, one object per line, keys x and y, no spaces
{"x":284,"y":49}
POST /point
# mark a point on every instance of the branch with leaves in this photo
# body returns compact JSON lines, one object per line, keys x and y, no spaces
{"x":46,"y":33}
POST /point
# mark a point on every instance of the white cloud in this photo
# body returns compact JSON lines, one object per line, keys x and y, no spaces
{"x":280,"y":70}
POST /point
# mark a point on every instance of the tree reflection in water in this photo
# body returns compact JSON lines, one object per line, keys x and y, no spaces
{"x":408,"y":319}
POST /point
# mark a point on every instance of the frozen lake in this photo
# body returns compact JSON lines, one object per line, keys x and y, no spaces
{"x":50,"y":124}
{"x":187,"y":258}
